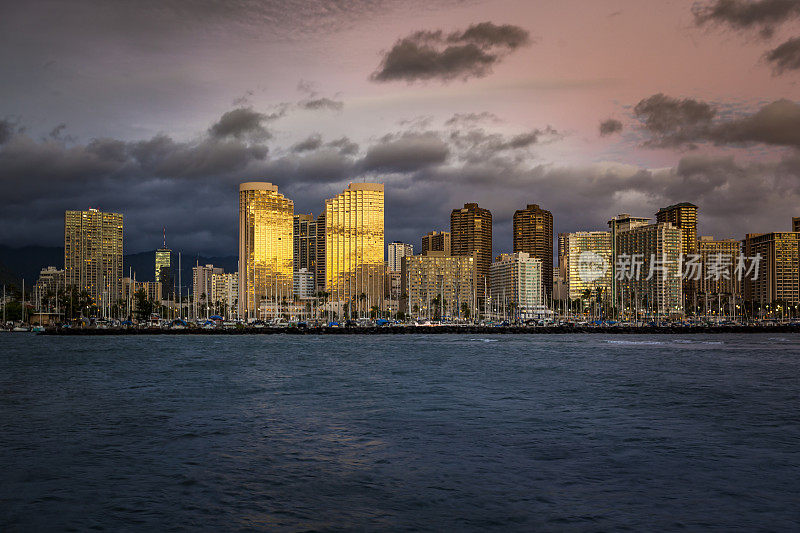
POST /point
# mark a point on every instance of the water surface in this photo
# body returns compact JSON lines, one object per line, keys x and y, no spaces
{"x":443,"y":432}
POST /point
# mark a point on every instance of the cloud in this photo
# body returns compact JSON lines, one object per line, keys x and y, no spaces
{"x":476,"y":144}
{"x":777,"y":123}
{"x":406,"y":153}
{"x":321,"y":103}
{"x":472,"y":53}
{"x":242,"y":122}
{"x":8,"y":129}
{"x":610,"y":127}
{"x":672,"y":122}
{"x":312,"y":142}
{"x":470,"y":119}
{"x":662,"y":114}
{"x":746,"y":14}
{"x":344,"y":146}
{"x":785,"y":57}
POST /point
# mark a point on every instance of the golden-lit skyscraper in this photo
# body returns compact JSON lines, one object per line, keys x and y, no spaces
{"x":778,"y":277}
{"x":683,"y":216}
{"x":471,"y":231}
{"x":163,"y":270}
{"x":436,"y":241}
{"x":533,"y":234}
{"x":265,"y":249}
{"x":93,"y":254}
{"x":354,"y":244}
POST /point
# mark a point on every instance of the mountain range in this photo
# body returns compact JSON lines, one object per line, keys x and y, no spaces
{"x":25,"y":263}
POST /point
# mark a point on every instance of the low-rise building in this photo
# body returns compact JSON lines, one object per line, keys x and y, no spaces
{"x":516,"y":288}
{"x":436,"y":285}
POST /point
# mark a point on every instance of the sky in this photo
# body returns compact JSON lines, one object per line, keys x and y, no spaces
{"x":158,"y":109}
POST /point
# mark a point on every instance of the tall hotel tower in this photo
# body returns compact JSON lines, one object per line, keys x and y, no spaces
{"x":93,"y":254}
{"x":354,"y":244}
{"x":265,"y":249}
{"x":471,"y":231}
{"x":533,"y":234}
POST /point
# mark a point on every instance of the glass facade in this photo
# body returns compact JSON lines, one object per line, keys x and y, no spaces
{"x":354,"y":246}
{"x":265,"y":250}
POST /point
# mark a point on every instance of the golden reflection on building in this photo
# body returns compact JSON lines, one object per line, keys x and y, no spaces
{"x":265,"y":249}
{"x":354,"y":244}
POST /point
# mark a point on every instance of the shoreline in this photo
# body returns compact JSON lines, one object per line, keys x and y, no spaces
{"x":432,"y":330}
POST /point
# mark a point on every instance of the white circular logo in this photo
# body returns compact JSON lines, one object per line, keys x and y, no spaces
{"x":591,"y":266}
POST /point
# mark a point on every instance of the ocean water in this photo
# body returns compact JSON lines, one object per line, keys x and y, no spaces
{"x":439,"y":433}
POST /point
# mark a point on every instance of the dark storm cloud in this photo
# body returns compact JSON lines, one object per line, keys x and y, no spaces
{"x":785,"y":57}
{"x":312,"y":142}
{"x":190,"y":187}
{"x":674,"y":122}
{"x":240,"y":123}
{"x":746,"y":14}
{"x":8,"y":128}
{"x":426,"y":55}
{"x":662,"y":114}
{"x":406,"y":153}
{"x":610,"y":126}
{"x":777,"y":123}
{"x":477,"y":144}
{"x":671,"y":122}
{"x":344,"y":146}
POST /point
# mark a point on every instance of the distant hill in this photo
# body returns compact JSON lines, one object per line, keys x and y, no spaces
{"x":9,"y":278}
{"x":26,"y":263}
{"x":143,"y":264}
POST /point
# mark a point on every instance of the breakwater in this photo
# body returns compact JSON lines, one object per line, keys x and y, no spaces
{"x":433,"y":330}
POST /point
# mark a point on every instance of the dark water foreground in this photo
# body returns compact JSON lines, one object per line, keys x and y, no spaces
{"x":445,"y":432}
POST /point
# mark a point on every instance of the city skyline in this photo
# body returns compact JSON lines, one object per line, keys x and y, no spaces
{"x":706,"y":113}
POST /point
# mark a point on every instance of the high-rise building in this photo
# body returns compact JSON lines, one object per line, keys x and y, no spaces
{"x":778,"y":275}
{"x":651,"y":282}
{"x":45,"y":291}
{"x":130,"y":287}
{"x":533,"y":234}
{"x":354,"y":246}
{"x":93,"y":254}
{"x":471,"y":231}
{"x":167,"y":280}
{"x":684,"y":217}
{"x":305,"y":249}
{"x":225,"y":293}
{"x":796,"y":224}
{"x":265,"y":249}
{"x":435,"y":285}
{"x":397,"y":251}
{"x":585,"y":261}
{"x":719,"y":259}
{"x":436,"y":241}
{"x":203,"y":283}
{"x":304,"y":283}
{"x":516,"y":286}
{"x":305,"y":242}
{"x":163,"y":268}
{"x":319,"y":269}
